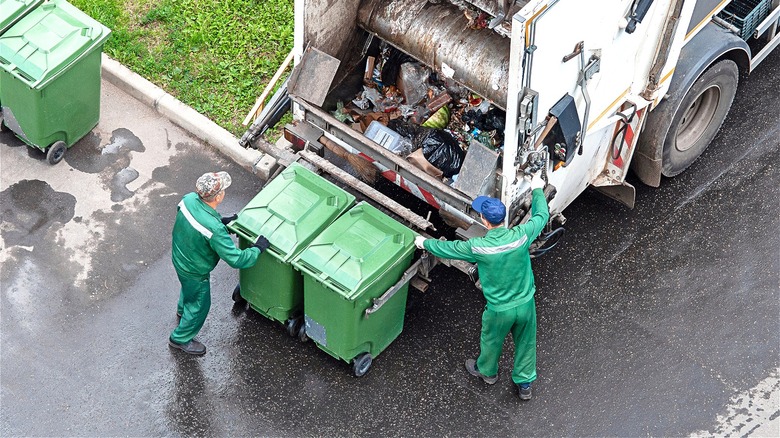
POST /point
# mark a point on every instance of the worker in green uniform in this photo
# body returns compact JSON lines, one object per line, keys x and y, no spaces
{"x":504,"y":266}
{"x":200,"y":240}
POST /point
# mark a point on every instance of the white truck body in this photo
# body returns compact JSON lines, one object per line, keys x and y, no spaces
{"x":519,"y":65}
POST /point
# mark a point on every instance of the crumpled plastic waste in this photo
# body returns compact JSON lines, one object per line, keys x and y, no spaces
{"x":372,"y":95}
{"x":362,"y":102}
{"x":406,"y":110}
{"x":412,"y":81}
{"x":340,"y":115}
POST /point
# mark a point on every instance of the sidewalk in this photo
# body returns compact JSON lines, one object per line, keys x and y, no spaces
{"x":186,"y":118}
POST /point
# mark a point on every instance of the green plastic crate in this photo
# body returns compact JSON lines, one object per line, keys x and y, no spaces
{"x":745,"y":15}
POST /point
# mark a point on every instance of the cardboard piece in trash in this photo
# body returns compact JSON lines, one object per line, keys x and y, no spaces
{"x":418,"y":159}
{"x":369,"y":73}
{"x":312,"y":77}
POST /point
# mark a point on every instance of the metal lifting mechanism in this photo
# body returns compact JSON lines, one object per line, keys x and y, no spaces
{"x":639,"y":10}
{"x":587,"y":71}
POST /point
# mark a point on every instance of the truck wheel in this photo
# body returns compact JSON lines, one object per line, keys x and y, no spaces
{"x":699,"y":116}
{"x":361,"y":364}
{"x":56,"y":152}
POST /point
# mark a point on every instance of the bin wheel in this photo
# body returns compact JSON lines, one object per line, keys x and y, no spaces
{"x":56,"y":152}
{"x":3,"y":127}
{"x":237,"y":298}
{"x":293,"y":326}
{"x":302,"y":336}
{"x":361,"y":364}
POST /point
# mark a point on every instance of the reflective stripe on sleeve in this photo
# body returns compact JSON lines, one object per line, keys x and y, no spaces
{"x":195,"y":224}
{"x":499,"y":249}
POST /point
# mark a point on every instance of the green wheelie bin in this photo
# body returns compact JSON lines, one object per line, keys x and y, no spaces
{"x":12,"y":11}
{"x":354,"y":285}
{"x":290,"y":212}
{"x":50,"y":77}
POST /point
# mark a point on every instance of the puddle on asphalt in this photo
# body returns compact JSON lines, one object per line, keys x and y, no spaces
{"x":89,"y":156}
{"x":30,"y":208}
{"x":119,"y":190}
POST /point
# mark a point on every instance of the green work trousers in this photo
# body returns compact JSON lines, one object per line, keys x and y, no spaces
{"x":521,"y":322}
{"x":194,"y":305}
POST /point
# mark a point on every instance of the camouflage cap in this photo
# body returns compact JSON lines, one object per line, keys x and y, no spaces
{"x":209,"y":184}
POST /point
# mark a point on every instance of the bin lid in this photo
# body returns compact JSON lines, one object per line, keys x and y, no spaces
{"x":358,"y":248}
{"x":47,"y":41}
{"x":292,"y":210}
{"x":12,"y":10}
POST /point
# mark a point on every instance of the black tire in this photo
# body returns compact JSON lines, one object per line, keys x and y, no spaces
{"x":699,"y":116}
{"x":302,"y":336}
{"x":361,"y":364}
{"x":237,"y":298}
{"x":293,"y":325}
{"x":56,"y":152}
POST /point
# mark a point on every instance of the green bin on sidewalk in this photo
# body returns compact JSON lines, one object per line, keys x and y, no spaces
{"x":50,"y":76}
{"x":358,"y":258}
{"x":12,"y":11}
{"x":290,"y":212}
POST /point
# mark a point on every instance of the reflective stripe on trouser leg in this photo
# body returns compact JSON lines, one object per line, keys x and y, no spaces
{"x":524,"y":335}
{"x":196,"y":301}
{"x":495,"y":327}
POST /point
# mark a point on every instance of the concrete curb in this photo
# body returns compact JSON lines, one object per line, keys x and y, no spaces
{"x":187,"y":118}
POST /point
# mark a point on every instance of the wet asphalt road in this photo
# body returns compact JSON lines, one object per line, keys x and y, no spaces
{"x":663,"y":320}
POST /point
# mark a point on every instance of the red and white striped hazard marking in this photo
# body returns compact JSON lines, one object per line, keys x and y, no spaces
{"x":398,"y":180}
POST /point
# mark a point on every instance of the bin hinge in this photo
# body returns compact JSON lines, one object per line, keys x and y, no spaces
{"x":380,"y":301}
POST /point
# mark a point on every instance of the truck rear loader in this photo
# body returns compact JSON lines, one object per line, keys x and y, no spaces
{"x":585,"y":91}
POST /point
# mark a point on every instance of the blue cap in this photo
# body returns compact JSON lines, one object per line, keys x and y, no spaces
{"x":493,"y":209}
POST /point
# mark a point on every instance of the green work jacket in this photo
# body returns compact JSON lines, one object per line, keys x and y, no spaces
{"x":200,"y":240}
{"x":502,"y":257}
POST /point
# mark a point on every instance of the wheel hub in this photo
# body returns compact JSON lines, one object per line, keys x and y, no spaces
{"x":697,"y":117}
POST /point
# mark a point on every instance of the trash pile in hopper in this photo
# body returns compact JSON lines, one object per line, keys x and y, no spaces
{"x":417,"y":114}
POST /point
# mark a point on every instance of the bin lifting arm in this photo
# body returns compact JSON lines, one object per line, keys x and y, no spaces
{"x":380,"y":301}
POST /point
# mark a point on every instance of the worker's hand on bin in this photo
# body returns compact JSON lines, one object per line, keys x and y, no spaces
{"x":228,"y":219}
{"x":537,"y":182}
{"x":262,"y":243}
{"x":418,"y":242}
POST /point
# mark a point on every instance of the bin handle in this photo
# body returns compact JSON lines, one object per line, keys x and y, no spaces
{"x":241,"y":232}
{"x":380,"y":301}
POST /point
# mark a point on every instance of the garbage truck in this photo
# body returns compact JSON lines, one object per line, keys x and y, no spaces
{"x":494,"y":91}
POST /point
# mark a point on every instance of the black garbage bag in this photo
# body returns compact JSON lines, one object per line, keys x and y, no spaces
{"x":406,"y":129}
{"x":489,"y":121}
{"x":494,"y":119}
{"x":441,"y":149}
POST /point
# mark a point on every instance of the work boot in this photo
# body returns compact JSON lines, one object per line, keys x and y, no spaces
{"x":193,"y":347}
{"x":524,"y":391}
{"x":471,"y":367}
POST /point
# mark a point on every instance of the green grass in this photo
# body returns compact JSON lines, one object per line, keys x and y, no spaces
{"x":214,"y":55}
